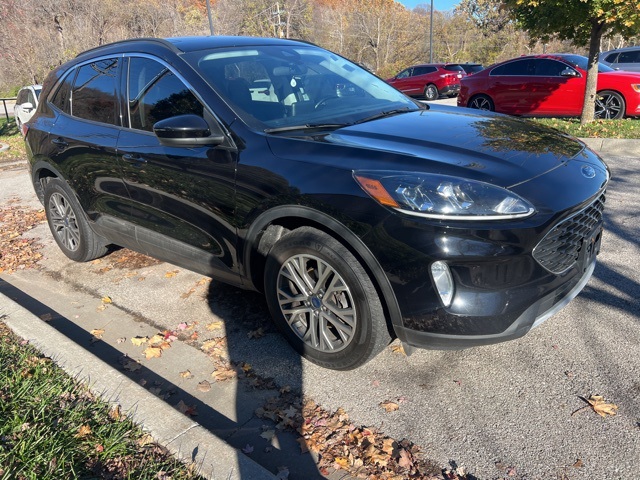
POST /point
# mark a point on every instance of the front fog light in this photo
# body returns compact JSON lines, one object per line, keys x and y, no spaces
{"x":443,"y":281}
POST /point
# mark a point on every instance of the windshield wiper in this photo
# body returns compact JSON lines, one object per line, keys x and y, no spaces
{"x":306,"y":126}
{"x":387,"y":113}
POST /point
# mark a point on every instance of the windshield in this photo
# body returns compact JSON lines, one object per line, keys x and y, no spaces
{"x":272,"y":87}
{"x":582,"y":62}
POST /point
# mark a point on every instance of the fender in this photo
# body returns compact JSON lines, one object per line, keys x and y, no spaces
{"x":304,"y":216}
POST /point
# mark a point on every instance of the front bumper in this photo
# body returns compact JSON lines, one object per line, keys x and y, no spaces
{"x":530,"y":318}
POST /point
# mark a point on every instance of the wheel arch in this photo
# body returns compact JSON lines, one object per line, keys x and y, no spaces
{"x":41,"y":172}
{"x":273,"y":224}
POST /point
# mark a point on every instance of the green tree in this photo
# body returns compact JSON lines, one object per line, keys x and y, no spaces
{"x":584,"y":22}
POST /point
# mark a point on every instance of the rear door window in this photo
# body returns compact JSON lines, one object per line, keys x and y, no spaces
{"x":94,"y":92}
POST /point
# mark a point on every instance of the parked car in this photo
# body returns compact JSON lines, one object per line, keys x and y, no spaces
{"x":431,"y":80}
{"x":550,"y":86}
{"x":26,"y":104}
{"x":360,"y":213}
{"x":471,"y":68}
{"x":622,"y":58}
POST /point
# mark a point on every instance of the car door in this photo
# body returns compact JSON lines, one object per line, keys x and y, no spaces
{"x":182,"y":198}
{"x":514,"y":88}
{"x":81,"y":144}
{"x":561,"y":88}
{"x":402,"y":81}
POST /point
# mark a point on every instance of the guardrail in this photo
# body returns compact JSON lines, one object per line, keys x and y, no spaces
{"x":4,"y":105}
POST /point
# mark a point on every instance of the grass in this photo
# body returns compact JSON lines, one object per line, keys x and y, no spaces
{"x":10,"y":135}
{"x":626,"y":128}
{"x":52,"y":427}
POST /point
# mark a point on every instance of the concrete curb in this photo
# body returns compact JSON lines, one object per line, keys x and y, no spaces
{"x":614,"y":146}
{"x":184,"y":438}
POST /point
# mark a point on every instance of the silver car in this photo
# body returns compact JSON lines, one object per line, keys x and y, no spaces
{"x":627,"y":58}
{"x":26,"y":104}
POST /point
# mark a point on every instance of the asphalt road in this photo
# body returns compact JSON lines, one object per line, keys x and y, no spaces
{"x":502,"y":411}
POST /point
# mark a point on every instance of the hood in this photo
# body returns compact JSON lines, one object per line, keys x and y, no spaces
{"x":503,"y":149}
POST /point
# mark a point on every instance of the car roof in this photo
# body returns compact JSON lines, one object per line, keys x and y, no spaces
{"x":187,"y":44}
{"x":622,"y":49}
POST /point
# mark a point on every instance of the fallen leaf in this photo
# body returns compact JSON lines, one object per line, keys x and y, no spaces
{"x":186,"y":374}
{"x":83,"y":431}
{"x":224,"y":373}
{"x":268,"y":435}
{"x":182,"y":326}
{"x":204,"y":386}
{"x":186,"y":409}
{"x":406,"y":460}
{"x":115,"y":413}
{"x":137,"y":341}
{"x":121,"y":340}
{"x":153,"y":352}
{"x":601,"y":407}
{"x":398,"y":348}
{"x":283,"y":473}
{"x":390,"y":406}
{"x":341,"y":462}
{"x":131,"y":365}
{"x":97,"y":332}
{"x":46,"y":317}
{"x":107,"y":300}
{"x":578,"y":464}
{"x":248,"y":449}
{"x":171,"y":274}
{"x":259,"y":333}
{"x":214,"y":326}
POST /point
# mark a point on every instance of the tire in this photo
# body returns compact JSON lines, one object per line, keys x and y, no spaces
{"x":68,"y":224}
{"x":431,"y":92}
{"x":481,"y":102}
{"x":323,"y":301}
{"x":609,"y":105}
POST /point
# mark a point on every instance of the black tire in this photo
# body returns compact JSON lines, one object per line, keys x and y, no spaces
{"x":68,"y":224}
{"x":610,"y":105}
{"x":312,"y":280}
{"x":431,"y":92}
{"x":481,"y":102}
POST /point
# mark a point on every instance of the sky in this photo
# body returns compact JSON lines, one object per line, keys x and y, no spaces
{"x":437,"y":4}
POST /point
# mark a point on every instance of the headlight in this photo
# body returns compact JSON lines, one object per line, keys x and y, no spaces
{"x":636,"y":87}
{"x":442,"y":196}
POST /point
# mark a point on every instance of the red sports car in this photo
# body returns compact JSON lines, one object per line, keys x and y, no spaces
{"x":429,"y":80}
{"x":550,"y":85}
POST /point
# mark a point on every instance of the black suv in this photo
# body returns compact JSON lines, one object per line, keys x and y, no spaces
{"x":360,"y":213}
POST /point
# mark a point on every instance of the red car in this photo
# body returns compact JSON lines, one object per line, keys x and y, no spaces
{"x":550,"y":85}
{"x":429,"y":80}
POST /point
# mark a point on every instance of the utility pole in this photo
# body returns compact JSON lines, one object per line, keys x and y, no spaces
{"x":209,"y":14}
{"x":431,"y":35}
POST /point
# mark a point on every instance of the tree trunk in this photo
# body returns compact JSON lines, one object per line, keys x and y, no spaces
{"x":590,"y":91}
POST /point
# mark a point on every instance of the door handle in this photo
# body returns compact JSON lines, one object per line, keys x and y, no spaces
{"x":133,"y":158}
{"x":60,"y":142}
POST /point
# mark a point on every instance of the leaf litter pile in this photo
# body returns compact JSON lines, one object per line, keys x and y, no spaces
{"x":17,"y":253}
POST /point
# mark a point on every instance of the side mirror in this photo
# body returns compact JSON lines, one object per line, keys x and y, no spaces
{"x":27,"y":106}
{"x":568,"y":72}
{"x":186,"y":131}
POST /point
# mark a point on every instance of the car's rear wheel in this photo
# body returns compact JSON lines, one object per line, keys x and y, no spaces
{"x":70,"y":229}
{"x":431,"y":92}
{"x":609,"y":105}
{"x":323,"y":300}
{"x":481,"y":102}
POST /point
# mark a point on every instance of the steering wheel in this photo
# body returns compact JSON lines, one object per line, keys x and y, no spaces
{"x":323,"y":101}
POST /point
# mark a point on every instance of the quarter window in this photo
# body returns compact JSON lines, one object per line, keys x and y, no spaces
{"x":155,"y":93}
{"x":632,"y":56}
{"x":94,"y":92}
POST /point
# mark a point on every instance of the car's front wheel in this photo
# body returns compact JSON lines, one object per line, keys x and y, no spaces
{"x":431,"y":92}
{"x":609,"y":105}
{"x":323,"y":300}
{"x":481,"y":102}
{"x":70,"y":229}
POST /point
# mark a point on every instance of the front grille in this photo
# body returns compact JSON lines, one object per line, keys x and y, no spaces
{"x":560,"y":248}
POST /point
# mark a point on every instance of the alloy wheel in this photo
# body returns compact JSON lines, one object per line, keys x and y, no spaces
{"x":317,"y":303}
{"x":64,"y":222}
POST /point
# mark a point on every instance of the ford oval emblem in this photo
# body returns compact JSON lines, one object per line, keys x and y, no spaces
{"x":588,"y":171}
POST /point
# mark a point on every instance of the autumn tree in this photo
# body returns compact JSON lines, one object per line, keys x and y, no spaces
{"x":584,"y":22}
